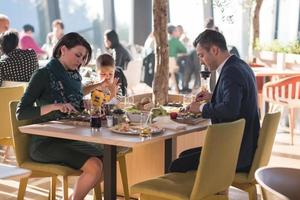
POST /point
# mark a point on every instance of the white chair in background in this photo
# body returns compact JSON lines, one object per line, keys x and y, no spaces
{"x":133,"y":74}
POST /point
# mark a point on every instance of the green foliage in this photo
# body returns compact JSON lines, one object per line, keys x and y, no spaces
{"x":276,"y":46}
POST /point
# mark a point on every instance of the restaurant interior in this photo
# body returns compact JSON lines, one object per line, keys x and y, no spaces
{"x":147,"y":104}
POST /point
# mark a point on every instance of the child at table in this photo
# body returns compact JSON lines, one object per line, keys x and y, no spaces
{"x":112,"y":82}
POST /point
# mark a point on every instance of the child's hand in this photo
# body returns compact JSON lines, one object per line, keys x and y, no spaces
{"x":113,"y":87}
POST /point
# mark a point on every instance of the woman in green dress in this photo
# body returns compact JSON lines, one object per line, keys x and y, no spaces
{"x":53,"y":92}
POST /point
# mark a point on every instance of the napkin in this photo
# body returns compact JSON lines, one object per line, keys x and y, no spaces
{"x":167,"y":123}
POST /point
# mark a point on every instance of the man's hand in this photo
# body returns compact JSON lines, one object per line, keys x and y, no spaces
{"x":194,"y":107}
{"x":204,"y":95}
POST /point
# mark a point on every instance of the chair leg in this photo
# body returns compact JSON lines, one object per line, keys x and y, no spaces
{"x":52,"y":191}
{"x":65,"y":187}
{"x":250,"y":188}
{"x":22,"y":188}
{"x":292,"y":124}
{"x":123,"y":172}
{"x":5,"y":153}
{"x":97,"y":192}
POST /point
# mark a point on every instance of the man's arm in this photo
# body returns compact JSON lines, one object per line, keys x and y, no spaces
{"x":229,"y":106}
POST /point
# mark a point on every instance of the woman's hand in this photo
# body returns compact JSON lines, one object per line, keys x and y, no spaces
{"x":62,"y":107}
{"x":65,"y":108}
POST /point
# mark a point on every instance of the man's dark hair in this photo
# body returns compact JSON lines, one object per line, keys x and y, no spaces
{"x":105,"y":60}
{"x":28,"y":27}
{"x":210,"y":37}
{"x":9,"y":41}
{"x":71,"y":40}
{"x":171,"y":29}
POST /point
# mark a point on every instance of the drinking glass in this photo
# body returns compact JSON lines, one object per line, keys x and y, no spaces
{"x":187,"y":99}
{"x":129,"y":101}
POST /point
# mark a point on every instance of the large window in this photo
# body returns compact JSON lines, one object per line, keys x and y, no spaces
{"x":189,"y":14}
{"x":21,"y":12}
{"x":288,"y":20}
{"x":123,"y":16}
{"x":81,"y":16}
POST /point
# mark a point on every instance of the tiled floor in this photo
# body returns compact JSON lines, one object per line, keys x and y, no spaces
{"x":283,"y":154}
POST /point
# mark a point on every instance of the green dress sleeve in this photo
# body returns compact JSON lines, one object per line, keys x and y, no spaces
{"x":35,"y":92}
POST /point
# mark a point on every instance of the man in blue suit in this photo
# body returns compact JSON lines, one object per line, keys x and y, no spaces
{"x":234,"y":97}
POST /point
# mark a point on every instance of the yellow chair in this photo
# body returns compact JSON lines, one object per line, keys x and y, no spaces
{"x":7,"y":94}
{"x":214,"y":174}
{"x":246,"y":181}
{"x":21,"y":144}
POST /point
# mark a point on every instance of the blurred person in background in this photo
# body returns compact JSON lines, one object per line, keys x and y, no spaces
{"x":119,"y":53}
{"x":177,"y":58}
{"x":16,"y":65}
{"x":147,"y":74}
{"x":27,"y":41}
{"x":54,"y":36}
{"x":183,"y":38}
{"x":4,"y":23}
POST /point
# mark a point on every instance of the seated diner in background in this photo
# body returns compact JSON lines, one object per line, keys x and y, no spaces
{"x":234,"y":97}
{"x":121,"y":55}
{"x":27,"y":41}
{"x":54,"y":92}
{"x":16,"y":65}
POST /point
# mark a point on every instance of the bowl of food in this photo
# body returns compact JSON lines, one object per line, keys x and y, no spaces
{"x":137,"y":117}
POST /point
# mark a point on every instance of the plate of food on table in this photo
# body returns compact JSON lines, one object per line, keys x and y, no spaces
{"x":186,"y":117}
{"x":132,"y":129}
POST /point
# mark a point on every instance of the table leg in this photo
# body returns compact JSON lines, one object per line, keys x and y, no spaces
{"x":265,"y":106}
{"x":168,"y":153}
{"x":110,"y":179}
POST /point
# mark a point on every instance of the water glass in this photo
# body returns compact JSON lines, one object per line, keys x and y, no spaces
{"x":187,"y":99}
{"x":129,"y":101}
{"x":110,"y":121}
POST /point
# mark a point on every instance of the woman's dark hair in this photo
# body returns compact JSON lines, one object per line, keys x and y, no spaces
{"x":9,"y":41}
{"x":71,"y":40}
{"x":171,"y":29}
{"x":210,"y":37}
{"x":113,"y":37}
{"x":105,"y":60}
{"x":28,"y":27}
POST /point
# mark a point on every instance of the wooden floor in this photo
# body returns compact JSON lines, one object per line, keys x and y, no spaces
{"x":283,"y":154}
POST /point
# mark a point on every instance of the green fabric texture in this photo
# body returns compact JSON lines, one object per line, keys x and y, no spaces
{"x":21,"y":146}
{"x":175,"y":47}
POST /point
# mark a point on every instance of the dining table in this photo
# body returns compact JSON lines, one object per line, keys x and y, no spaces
{"x":111,"y":140}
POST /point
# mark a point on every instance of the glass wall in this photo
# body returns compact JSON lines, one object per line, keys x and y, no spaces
{"x":229,"y":18}
{"x":288,"y":20}
{"x":21,"y":12}
{"x":123,"y":16}
{"x":82,"y":16}
{"x":189,"y":14}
